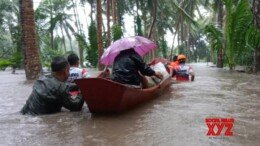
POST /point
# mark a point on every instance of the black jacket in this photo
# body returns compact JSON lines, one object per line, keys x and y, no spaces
{"x":49,"y":95}
{"x":126,"y":67}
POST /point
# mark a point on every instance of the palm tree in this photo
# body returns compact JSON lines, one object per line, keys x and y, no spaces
{"x":79,"y":33}
{"x":218,"y":4}
{"x":256,"y":12}
{"x":154,"y":15}
{"x":6,"y":19}
{"x":29,"y":43}
{"x":114,"y":11}
{"x":99,"y":32}
{"x":184,"y":23}
{"x":108,"y":22}
{"x":238,"y":20}
{"x":239,"y":34}
{"x":50,"y":15}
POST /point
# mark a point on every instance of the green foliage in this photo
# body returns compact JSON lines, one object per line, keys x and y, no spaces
{"x":5,"y":6}
{"x":162,"y":48}
{"x":138,"y":26}
{"x":5,"y":63}
{"x":81,"y":40}
{"x":117,"y":32}
{"x":238,"y":21}
{"x":202,"y":51}
{"x":10,"y":39}
{"x":105,"y":39}
{"x":182,"y":49}
{"x":253,"y":38}
{"x":216,"y":39}
{"x":16,"y":59}
{"x":92,"y":51}
{"x":240,"y":37}
{"x":51,"y":16}
{"x":5,"y":45}
{"x":215,"y":36}
{"x":121,"y":9}
{"x":48,"y":54}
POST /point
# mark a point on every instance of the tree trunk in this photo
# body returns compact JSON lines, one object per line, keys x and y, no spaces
{"x":29,"y":43}
{"x":256,"y":11}
{"x":220,"y":25}
{"x":114,"y":11}
{"x":154,"y":18}
{"x":99,"y":33}
{"x":175,"y":34}
{"x":79,"y":30}
{"x":52,"y":28}
{"x":153,"y":14}
{"x":144,"y":17}
{"x":108,"y":23}
{"x":181,"y":36}
{"x":63,"y":38}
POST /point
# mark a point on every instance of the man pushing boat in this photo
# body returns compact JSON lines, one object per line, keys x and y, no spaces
{"x":50,"y":93}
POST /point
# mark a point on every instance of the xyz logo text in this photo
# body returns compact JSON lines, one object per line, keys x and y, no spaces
{"x":216,"y":126}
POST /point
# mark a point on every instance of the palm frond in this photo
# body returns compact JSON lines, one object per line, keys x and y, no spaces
{"x":238,"y":21}
{"x":182,"y":11}
{"x":253,"y":38}
{"x":215,"y":35}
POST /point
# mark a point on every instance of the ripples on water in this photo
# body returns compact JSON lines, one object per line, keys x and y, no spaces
{"x":175,"y":118}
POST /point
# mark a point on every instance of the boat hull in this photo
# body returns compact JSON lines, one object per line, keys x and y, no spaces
{"x":103,"y":95}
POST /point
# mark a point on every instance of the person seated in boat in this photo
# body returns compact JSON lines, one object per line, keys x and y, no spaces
{"x":182,"y":71}
{"x":129,"y":68}
{"x":50,"y":93}
{"x":75,"y":71}
{"x":174,"y":62}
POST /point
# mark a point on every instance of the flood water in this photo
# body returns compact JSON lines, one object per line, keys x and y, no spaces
{"x":175,"y":118}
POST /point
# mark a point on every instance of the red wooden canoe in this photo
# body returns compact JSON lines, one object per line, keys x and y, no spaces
{"x":103,"y":95}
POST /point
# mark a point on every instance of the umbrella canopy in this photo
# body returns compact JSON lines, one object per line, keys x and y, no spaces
{"x":140,"y":44}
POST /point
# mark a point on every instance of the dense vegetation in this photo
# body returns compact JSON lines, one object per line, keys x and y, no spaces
{"x":225,"y":32}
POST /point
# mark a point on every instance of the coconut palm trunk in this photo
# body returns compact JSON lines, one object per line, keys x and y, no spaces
{"x":108,"y":23}
{"x":220,"y":24}
{"x":256,"y":11}
{"x":153,"y":13}
{"x":114,"y":11}
{"x":99,"y":33}
{"x":29,"y":44}
{"x":79,"y":30}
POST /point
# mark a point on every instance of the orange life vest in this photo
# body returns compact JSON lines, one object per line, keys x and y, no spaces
{"x":173,"y":64}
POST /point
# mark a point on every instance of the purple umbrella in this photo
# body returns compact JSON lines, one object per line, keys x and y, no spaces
{"x":140,"y":44}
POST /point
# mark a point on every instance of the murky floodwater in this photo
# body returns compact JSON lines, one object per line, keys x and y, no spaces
{"x":175,"y":118}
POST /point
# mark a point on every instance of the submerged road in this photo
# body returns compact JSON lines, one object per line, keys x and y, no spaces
{"x":175,"y":118}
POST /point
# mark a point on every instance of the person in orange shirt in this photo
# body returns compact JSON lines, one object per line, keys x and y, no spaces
{"x":183,"y":71}
{"x":174,"y":62}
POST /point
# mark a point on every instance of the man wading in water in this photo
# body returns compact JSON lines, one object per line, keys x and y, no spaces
{"x":50,"y":92}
